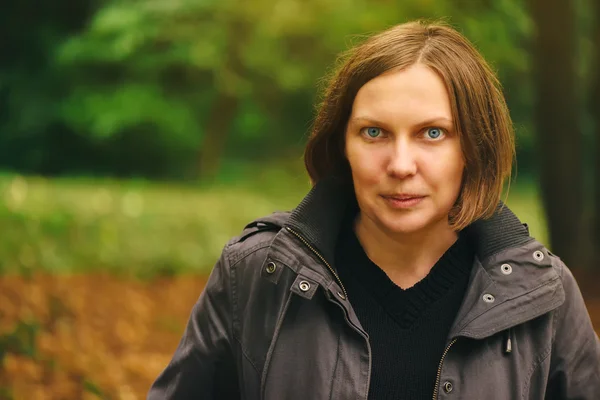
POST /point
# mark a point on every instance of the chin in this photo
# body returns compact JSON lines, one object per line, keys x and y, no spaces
{"x":405,"y":224}
{"x":409,"y":223}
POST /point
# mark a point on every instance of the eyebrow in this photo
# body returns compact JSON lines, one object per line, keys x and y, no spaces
{"x":377,"y":122}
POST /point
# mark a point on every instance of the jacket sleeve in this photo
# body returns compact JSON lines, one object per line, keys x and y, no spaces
{"x":575,"y":357}
{"x":203,"y":365}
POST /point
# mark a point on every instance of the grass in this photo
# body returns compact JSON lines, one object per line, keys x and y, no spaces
{"x":128,"y":227}
{"x":147,"y":229}
{"x":525,"y":201}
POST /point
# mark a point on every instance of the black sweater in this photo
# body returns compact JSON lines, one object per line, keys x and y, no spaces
{"x":407,"y":328}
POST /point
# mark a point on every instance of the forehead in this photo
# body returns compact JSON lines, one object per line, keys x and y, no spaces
{"x":416,"y":91}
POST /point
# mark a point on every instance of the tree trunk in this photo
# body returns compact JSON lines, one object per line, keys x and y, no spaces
{"x":215,"y":136}
{"x":595,"y":111}
{"x":559,"y":138}
{"x":225,"y":106}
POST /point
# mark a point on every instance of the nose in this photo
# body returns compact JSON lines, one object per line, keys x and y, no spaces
{"x":402,"y":161}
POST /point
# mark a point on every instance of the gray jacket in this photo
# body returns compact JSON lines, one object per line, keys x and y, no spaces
{"x":274,"y":321}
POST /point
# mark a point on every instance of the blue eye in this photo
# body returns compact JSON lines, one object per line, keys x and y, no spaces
{"x":434,"y":133}
{"x":373,"y":132}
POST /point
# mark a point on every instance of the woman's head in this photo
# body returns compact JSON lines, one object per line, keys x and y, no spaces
{"x":415,"y":110}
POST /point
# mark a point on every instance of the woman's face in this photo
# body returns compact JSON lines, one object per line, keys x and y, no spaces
{"x":405,"y":156}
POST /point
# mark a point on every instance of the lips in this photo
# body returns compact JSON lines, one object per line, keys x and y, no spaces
{"x":403,"y":201}
{"x":403,"y":196}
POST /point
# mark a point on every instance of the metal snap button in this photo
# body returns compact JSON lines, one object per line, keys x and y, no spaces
{"x":506,"y":269}
{"x":271,"y":267}
{"x":304,"y":286}
{"x":488,"y":298}
{"x":538,"y":255}
{"x":448,"y":387}
{"x":341,"y":295}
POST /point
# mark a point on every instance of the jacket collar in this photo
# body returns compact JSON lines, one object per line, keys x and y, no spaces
{"x":319,"y":215}
{"x":318,"y":218}
{"x":532,"y":288}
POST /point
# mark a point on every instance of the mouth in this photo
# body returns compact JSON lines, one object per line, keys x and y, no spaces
{"x":403,"y":196}
{"x":403,"y":200}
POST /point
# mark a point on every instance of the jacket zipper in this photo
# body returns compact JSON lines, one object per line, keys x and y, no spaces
{"x":439,"y":372}
{"x":339,"y":281}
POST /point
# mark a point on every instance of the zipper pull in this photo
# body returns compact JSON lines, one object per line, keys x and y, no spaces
{"x":508,"y":342}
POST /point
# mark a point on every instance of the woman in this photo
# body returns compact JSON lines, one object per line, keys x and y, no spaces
{"x":401,"y":275}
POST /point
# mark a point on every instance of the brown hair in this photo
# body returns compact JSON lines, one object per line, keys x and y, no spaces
{"x":479,"y":110}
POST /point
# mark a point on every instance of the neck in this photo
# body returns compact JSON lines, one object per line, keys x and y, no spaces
{"x":405,"y":258}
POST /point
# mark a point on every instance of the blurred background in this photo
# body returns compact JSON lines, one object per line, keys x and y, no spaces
{"x":138,"y":136}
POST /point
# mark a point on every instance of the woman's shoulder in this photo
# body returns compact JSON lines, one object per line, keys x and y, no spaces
{"x":255,"y":236}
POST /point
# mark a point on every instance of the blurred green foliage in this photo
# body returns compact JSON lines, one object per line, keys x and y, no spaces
{"x":142,"y":229}
{"x":134,"y":227}
{"x":152,"y":88}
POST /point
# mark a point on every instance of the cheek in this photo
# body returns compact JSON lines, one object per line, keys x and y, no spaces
{"x":451,"y":175}
{"x":364,"y":166}
{"x":445,"y":168}
{"x":459,"y":167}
